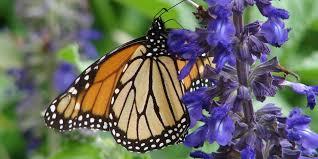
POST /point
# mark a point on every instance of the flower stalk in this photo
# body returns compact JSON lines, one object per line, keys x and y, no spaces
{"x":243,"y":69}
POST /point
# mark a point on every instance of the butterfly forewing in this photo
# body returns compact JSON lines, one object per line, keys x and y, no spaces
{"x":85,"y":104}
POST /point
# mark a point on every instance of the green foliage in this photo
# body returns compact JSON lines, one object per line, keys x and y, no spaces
{"x":12,"y":143}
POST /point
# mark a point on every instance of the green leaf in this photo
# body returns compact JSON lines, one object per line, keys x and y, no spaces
{"x":181,"y":13}
{"x":11,"y":138}
{"x":308,"y":69}
{"x":3,"y":153}
{"x":69,"y":54}
{"x":175,"y":151}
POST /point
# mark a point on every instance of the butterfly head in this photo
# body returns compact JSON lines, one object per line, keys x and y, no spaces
{"x":156,"y":37}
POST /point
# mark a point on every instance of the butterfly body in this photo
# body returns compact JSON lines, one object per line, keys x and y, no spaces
{"x":133,"y":92}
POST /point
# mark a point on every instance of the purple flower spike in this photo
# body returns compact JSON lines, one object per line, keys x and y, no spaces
{"x":223,"y":111}
{"x":274,"y":32}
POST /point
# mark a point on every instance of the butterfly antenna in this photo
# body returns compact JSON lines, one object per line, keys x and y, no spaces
{"x":165,"y":10}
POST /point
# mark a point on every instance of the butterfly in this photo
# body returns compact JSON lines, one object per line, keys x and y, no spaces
{"x":133,"y":92}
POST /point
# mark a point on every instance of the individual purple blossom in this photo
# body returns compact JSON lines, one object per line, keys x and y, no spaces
{"x":274,"y":32}
{"x":298,"y":131}
{"x":221,"y":126}
{"x":196,"y":101}
{"x":64,"y":75}
{"x":268,"y":10}
{"x":218,"y":128}
{"x":185,"y":44}
{"x":85,"y":39}
{"x":310,"y":91}
{"x":22,"y":79}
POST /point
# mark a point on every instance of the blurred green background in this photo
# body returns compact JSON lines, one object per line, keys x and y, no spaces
{"x":45,"y":43}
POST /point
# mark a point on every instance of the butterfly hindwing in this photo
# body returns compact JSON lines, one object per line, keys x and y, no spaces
{"x":151,"y":115}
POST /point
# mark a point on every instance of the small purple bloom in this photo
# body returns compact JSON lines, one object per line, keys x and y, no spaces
{"x":298,"y":131}
{"x":224,"y":3}
{"x":90,"y":34}
{"x":85,"y":39}
{"x":220,"y":31}
{"x":274,"y":32}
{"x":268,"y":10}
{"x":310,"y":91}
{"x":64,"y":75}
{"x":223,"y":56}
{"x":220,"y":126}
{"x":22,"y":79}
{"x":195,"y":102}
{"x":197,"y":138}
{"x":248,"y":153}
{"x":185,"y":44}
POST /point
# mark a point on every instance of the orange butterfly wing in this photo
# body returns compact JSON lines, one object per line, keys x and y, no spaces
{"x":86,"y":103}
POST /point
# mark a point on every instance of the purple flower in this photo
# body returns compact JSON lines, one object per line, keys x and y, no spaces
{"x":85,"y":39}
{"x":64,"y":75}
{"x":218,"y":127}
{"x":185,"y":44}
{"x":268,"y":10}
{"x":221,"y":126}
{"x":22,"y":79}
{"x":220,"y":31}
{"x":274,"y":32}
{"x":310,"y":91}
{"x":298,"y":131}
{"x":197,"y":138}
{"x":223,"y":56}
{"x":195,"y":102}
{"x":254,"y":44}
{"x":248,"y":153}
{"x":213,"y":3}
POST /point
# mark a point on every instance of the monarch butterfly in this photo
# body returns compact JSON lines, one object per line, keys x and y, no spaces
{"x":133,"y":92}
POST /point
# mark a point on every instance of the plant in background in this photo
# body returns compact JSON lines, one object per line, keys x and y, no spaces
{"x":72,"y":24}
{"x":224,"y":112}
